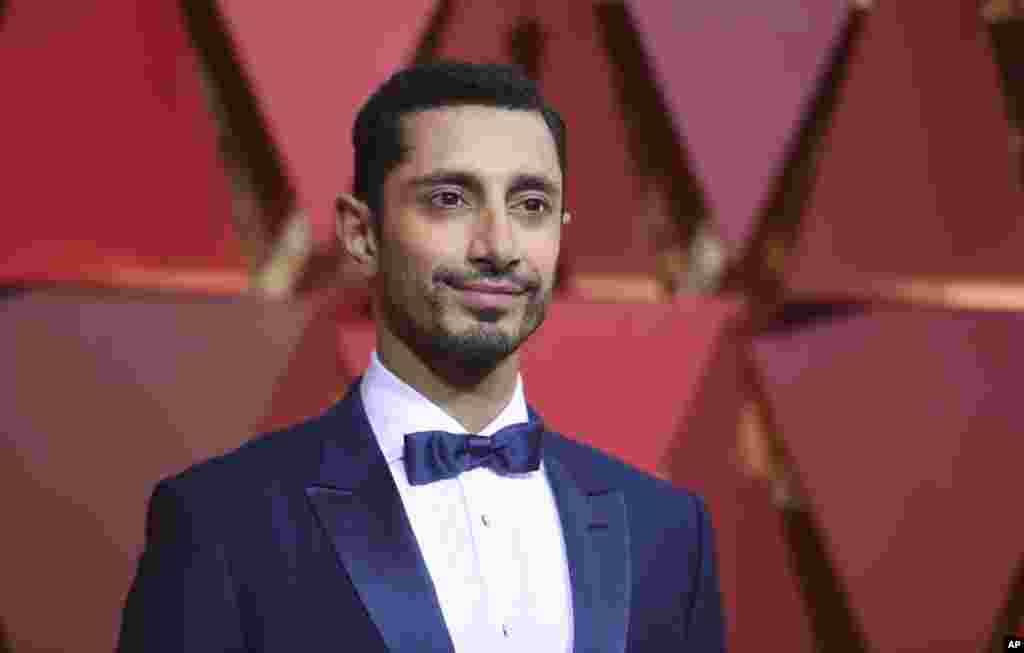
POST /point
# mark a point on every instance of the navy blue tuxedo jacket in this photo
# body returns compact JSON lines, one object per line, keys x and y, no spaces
{"x":299,"y":542}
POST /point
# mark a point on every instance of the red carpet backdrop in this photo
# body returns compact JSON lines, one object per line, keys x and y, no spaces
{"x":794,"y":281}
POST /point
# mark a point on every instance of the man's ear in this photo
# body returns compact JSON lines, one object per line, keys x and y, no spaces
{"x":356,"y":231}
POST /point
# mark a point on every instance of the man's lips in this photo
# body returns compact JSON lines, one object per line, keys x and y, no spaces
{"x":493,"y":287}
{"x":488,"y":295}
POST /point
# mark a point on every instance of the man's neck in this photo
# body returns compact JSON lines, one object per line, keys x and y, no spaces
{"x":472,"y":401}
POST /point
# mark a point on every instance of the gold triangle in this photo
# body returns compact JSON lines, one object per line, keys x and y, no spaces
{"x":263,"y":198}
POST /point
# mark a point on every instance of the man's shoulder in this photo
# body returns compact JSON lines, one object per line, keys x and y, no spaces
{"x":595,"y":469}
{"x":659,"y":511}
{"x":264,"y":458}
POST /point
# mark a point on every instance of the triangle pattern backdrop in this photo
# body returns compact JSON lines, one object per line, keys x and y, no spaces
{"x":842,"y":180}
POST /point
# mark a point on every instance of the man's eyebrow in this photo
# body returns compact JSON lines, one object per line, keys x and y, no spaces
{"x":520,"y":182}
{"x":534,"y":182}
{"x":452,"y":177}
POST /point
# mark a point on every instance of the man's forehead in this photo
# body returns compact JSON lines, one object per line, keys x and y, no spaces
{"x":488,"y":140}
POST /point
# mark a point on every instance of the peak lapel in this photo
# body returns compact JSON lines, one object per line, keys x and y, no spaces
{"x":596,"y":534}
{"x":360,"y":510}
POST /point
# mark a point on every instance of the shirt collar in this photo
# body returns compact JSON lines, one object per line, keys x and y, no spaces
{"x":394,"y":408}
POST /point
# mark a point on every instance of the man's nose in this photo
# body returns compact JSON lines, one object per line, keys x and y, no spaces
{"x":495,"y":238}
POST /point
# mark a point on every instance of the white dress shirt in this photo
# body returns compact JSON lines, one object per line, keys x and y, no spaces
{"x":492,"y":543}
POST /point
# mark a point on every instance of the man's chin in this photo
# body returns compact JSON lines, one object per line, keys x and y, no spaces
{"x":481,"y":346}
{"x":487,"y":323}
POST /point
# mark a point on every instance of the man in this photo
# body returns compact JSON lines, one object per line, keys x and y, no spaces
{"x":382,"y":526}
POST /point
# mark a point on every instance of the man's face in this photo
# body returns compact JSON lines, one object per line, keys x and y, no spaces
{"x":477,"y":199}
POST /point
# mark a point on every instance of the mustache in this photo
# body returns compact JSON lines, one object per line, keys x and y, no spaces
{"x":455,"y":278}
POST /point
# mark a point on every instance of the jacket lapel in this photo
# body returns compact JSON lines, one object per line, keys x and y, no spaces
{"x":596,"y":532}
{"x":359,"y":508}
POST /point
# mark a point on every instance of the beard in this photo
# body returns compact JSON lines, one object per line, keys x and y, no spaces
{"x":467,"y":353}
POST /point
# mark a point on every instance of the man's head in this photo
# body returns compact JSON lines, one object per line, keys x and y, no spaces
{"x":377,"y":135}
{"x":459,"y":180}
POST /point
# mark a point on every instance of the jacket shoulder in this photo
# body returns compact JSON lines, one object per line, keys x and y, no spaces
{"x":595,"y":469}
{"x":260,"y":460}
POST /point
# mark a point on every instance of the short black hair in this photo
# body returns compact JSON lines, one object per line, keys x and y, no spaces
{"x":377,"y":135}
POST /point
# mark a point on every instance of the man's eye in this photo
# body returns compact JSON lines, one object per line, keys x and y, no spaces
{"x":535,"y":205}
{"x":446,"y":199}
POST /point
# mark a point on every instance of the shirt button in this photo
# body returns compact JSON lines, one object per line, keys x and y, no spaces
{"x":486,"y":522}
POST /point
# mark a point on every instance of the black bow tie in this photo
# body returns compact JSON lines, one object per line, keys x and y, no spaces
{"x":435,"y":455}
